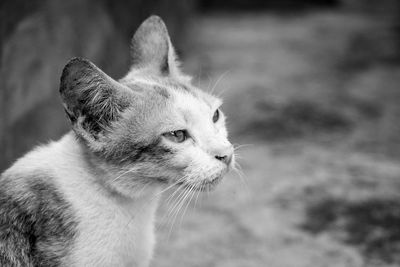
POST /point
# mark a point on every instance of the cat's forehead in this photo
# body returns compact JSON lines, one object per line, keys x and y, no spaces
{"x":172,"y":92}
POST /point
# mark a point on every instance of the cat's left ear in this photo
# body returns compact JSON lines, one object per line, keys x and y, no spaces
{"x":152,"y":50}
{"x":92,"y":100}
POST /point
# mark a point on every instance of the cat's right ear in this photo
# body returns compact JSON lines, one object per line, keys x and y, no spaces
{"x":152,"y":50}
{"x":92,"y":100}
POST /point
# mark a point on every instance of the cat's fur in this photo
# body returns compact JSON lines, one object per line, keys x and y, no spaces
{"x":89,"y":199}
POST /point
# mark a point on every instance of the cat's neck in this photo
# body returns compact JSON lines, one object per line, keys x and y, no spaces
{"x":100,"y":174}
{"x":123,"y":225}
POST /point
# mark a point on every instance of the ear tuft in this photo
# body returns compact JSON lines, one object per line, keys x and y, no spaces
{"x":91,"y":98}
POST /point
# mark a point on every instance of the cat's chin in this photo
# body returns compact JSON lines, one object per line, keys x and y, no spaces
{"x":203,"y":186}
{"x":210,"y":185}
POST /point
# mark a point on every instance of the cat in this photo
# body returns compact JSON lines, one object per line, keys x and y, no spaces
{"x":90,"y":198}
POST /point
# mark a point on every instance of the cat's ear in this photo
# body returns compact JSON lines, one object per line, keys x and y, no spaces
{"x":92,"y":99}
{"x":151,"y":48}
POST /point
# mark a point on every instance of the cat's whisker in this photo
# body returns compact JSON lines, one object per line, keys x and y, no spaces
{"x":145,"y":186}
{"x":237,"y":167}
{"x":220,"y":93}
{"x":132,"y":216}
{"x":173,"y":205}
{"x":166,"y":218}
{"x":189,"y":194}
{"x":199,"y":77}
{"x":192,"y":193}
{"x":139,"y":193}
{"x":179,"y":206}
{"x":238,"y":156}
{"x":169,"y":187}
{"x":176,"y":191}
{"x":124,"y":173}
{"x":182,"y":197}
{"x":177,"y":201}
{"x":218,"y":80}
{"x":197,"y":196}
{"x":239,"y":172}
{"x":209,"y":83}
{"x":241,"y":146}
{"x":241,"y":176}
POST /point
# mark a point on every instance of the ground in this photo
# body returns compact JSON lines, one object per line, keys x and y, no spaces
{"x":314,"y":114}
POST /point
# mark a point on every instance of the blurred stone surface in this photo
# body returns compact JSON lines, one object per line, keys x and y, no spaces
{"x":288,"y":67}
{"x":39,"y":37}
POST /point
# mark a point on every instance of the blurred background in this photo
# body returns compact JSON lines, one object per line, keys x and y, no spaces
{"x":312,"y":95}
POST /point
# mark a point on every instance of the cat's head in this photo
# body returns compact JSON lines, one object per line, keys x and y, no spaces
{"x":152,"y":126}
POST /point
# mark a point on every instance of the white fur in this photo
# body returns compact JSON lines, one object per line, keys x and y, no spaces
{"x":112,"y":231}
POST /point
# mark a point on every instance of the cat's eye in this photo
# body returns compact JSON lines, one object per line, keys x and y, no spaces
{"x":178,"y":136}
{"x":216,"y":116}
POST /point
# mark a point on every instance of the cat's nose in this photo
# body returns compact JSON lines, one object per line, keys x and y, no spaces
{"x":225,"y":155}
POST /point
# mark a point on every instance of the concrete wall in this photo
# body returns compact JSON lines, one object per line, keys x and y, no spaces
{"x":39,"y":37}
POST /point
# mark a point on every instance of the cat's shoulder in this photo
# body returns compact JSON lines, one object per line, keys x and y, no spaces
{"x":44,"y":161}
{"x":34,"y":209}
{"x":33,"y":177}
